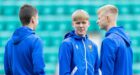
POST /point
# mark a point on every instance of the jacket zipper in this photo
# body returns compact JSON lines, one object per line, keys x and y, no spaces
{"x":85,"y":56}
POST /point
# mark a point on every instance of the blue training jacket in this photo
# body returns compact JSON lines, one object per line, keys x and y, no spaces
{"x":78,"y":56}
{"x":23,"y":53}
{"x":116,"y":53}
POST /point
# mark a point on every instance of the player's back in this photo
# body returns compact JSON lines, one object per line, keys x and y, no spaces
{"x":19,"y":52}
{"x":122,"y":51}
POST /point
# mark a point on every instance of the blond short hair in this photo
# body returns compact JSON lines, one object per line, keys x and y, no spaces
{"x":80,"y":14}
{"x":111,"y":9}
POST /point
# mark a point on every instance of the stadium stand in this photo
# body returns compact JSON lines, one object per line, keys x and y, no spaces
{"x":55,"y":21}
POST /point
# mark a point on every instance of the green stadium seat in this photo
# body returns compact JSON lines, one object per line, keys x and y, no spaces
{"x":56,"y":40}
{"x":1,"y":58}
{"x":39,"y":26}
{"x":9,"y":10}
{"x":138,"y":25}
{"x":0,"y":10}
{"x":93,"y":26}
{"x":50,"y":58}
{"x":60,"y":10}
{"x":51,"y":50}
{"x":1,"y":26}
{"x":3,"y":41}
{"x":65,"y":26}
{"x":50,"y":68}
{"x":56,"y":26}
{"x":136,"y":57}
{"x":2,"y":69}
{"x":51,"y":26}
{"x":92,"y":10}
{"x":12,"y":25}
{"x":120,"y":23}
{"x":128,"y":26}
{"x":135,"y":9}
{"x":9,"y":25}
{"x":123,"y":9}
{"x":69,"y":10}
{"x":48,"y":10}
{"x":68,"y":25}
{"x":2,"y":50}
{"x":47,"y":41}
{"x":136,"y":41}
{"x":40,"y":8}
{"x":136,"y":68}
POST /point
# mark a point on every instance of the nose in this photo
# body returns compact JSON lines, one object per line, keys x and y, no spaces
{"x":81,"y":25}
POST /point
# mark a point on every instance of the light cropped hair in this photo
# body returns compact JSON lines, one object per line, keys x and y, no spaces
{"x":111,"y":9}
{"x":80,"y":15}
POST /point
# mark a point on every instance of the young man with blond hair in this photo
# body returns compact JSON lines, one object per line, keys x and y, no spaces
{"x":116,"y":51}
{"x":77,"y":54}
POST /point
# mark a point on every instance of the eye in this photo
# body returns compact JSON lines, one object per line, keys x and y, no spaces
{"x":77,"y":22}
{"x":83,"y":22}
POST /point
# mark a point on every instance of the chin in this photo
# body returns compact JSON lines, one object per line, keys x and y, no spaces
{"x":82,"y":34}
{"x":34,"y":28}
{"x":102,"y":28}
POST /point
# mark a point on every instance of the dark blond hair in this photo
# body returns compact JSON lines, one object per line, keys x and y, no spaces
{"x":80,"y":14}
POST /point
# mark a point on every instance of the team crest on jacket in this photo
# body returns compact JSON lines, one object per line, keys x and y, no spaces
{"x":90,"y":48}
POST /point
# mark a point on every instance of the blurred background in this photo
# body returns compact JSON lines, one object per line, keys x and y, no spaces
{"x":55,"y":21}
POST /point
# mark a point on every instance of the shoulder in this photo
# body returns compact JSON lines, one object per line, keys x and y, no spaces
{"x":67,"y":41}
{"x":9,"y":42}
{"x":110,"y":42}
{"x":34,"y":37}
{"x":66,"y":45}
{"x":112,"y":38}
{"x":34,"y":40}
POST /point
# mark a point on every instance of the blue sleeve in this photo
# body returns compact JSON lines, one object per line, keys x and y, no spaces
{"x":6,"y":62}
{"x":37,"y":56}
{"x":96,"y":68}
{"x":107,"y":56}
{"x":65,"y":59}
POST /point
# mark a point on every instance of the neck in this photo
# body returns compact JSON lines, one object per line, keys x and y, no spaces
{"x":79,"y":35}
{"x":110,"y":25}
{"x":30,"y":26}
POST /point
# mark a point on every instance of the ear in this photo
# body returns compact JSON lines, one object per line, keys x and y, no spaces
{"x":32,"y":20}
{"x":108,"y":19}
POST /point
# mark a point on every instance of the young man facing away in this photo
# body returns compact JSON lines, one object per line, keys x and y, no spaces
{"x":24,"y":51}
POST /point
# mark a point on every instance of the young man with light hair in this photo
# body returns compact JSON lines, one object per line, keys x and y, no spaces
{"x":116,"y":51}
{"x":77,"y":54}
